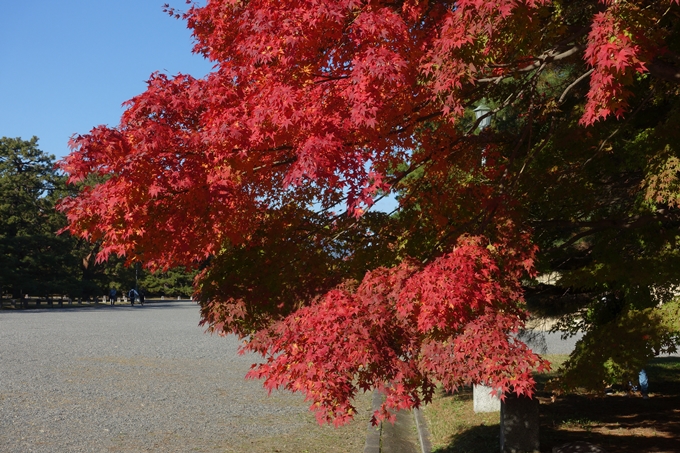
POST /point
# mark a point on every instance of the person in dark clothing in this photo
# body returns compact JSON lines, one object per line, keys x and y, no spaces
{"x":112,"y":295}
{"x":132,"y":294}
{"x":141,"y":297}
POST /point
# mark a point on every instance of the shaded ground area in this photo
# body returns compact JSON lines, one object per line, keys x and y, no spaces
{"x":618,"y":422}
{"x":145,"y":379}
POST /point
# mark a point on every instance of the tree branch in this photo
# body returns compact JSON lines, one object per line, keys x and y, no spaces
{"x":546,"y":58}
{"x":572,"y":85}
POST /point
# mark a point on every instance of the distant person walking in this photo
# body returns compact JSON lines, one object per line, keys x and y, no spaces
{"x":644,"y":384}
{"x":141,"y":297}
{"x":132,"y":294}
{"x":112,"y":295}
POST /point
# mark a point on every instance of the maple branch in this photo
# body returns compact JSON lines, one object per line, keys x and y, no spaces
{"x":556,"y":53}
{"x":528,"y":132}
{"x":534,"y":151}
{"x":573,"y":84}
{"x":484,"y":218}
{"x":618,"y":129}
{"x":411,"y":122}
{"x":552,"y":56}
{"x":277,"y":163}
{"x":508,"y":100}
{"x":548,"y":57}
{"x":328,"y":78}
{"x":461,"y":228}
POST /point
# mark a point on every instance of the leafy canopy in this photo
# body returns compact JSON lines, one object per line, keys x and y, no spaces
{"x":319,"y":106}
{"x":33,"y":260}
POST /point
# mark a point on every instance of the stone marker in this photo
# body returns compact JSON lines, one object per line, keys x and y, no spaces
{"x":578,"y":447}
{"x":519,"y":424}
{"x":485,"y":401}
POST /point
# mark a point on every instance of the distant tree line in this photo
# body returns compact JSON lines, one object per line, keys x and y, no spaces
{"x":37,"y":260}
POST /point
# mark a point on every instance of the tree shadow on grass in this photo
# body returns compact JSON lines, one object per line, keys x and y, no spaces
{"x":477,"y":439}
{"x":618,"y":423}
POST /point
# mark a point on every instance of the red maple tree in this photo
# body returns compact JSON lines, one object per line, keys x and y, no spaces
{"x":314,"y":105}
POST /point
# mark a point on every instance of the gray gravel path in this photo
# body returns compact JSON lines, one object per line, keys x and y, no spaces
{"x":127,"y":379}
{"x":543,"y":342}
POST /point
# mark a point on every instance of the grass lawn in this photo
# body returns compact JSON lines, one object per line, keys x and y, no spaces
{"x":618,"y":422}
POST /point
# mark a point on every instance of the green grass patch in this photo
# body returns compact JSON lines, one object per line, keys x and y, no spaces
{"x":455,"y":428}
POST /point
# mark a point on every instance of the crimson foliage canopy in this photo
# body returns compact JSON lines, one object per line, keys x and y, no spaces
{"x":264,"y":172}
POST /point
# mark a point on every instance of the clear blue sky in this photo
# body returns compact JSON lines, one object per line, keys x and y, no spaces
{"x":68,"y":65}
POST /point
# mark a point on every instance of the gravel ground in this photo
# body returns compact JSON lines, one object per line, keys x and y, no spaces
{"x":132,"y":379}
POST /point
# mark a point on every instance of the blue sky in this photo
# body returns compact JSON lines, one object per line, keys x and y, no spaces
{"x":68,"y":65}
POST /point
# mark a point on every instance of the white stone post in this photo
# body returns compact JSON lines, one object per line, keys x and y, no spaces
{"x":484,"y":400}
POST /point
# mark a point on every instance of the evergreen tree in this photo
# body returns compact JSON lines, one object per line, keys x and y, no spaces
{"x":33,"y":258}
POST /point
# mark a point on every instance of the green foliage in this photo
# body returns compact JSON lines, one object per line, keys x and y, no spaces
{"x":614,"y":351}
{"x":603,"y":205}
{"x":174,"y":282}
{"x":33,"y":259}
